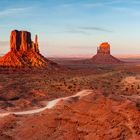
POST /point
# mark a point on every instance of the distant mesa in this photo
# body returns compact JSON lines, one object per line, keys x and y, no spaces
{"x":103,"y":55}
{"x":104,"y":48}
{"x":24,"y":52}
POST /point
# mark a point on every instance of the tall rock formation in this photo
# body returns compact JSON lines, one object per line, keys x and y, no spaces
{"x":103,"y":55}
{"x":21,"y":41}
{"x":104,"y":48}
{"x":23,"y":52}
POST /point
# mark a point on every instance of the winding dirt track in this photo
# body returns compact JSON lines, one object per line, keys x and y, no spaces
{"x":49,"y":104}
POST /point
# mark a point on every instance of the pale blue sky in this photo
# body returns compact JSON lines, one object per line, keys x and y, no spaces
{"x":73,"y":27}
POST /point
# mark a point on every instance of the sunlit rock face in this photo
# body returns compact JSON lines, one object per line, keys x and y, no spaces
{"x":103,"y":55}
{"x":104,"y":48}
{"x":23,"y":52}
{"x":21,"y":41}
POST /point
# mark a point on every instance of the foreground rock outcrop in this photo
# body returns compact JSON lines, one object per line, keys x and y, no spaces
{"x":24,"y":52}
{"x":103,"y":55}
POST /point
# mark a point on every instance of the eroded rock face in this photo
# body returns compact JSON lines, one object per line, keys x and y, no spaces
{"x":24,"y":52}
{"x":21,"y":41}
{"x":104,"y":48}
{"x":103,"y":55}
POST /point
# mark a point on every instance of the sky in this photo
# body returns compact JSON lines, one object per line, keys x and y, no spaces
{"x":73,"y":27}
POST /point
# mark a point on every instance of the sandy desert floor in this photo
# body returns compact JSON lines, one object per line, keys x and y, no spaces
{"x":110,"y":112}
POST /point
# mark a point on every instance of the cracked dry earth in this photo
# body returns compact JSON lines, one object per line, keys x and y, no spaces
{"x":94,"y":117}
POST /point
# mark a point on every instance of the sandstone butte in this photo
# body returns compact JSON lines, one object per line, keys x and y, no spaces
{"x":103,"y":55}
{"x":24,"y":52}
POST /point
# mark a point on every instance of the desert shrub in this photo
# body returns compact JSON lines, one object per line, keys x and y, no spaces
{"x":138,"y":87}
{"x":126,"y":89}
{"x":138,"y":105}
{"x":69,"y":87}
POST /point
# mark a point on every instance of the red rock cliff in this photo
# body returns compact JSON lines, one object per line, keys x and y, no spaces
{"x":24,"y":52}
{"x":21,"y":41}
{"x":104,"y":48}
{"x":103,"y":55}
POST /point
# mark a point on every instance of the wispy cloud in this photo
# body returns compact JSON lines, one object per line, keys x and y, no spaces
{"x":117,"y":5}
{"x":110,"y":3}
{"x":101,"y":4}
{"x":95,"y":29}
{"x":13,"y":11}
{"x":71,"y":31}
{"x":77,"y":31}
{"x":129,"y":11}
{"x":89,"y":4}
{"x":86,"y":30}
{"x":83,"y":30}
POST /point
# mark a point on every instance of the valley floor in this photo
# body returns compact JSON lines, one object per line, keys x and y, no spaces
{"x":110,"y":112}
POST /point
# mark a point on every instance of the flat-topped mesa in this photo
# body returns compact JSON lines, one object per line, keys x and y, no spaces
{"x":21,"y":41}
{"x":24,"y":53}
{"x":103,"y":55}
{"x":104,"y":48}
